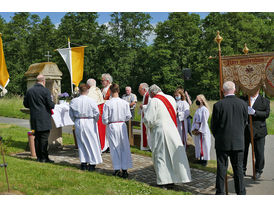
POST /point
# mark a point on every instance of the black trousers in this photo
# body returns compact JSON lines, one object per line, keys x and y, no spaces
{"x":258,"y":151}
{"x":41,"y":144}
{"x":236,"y":159}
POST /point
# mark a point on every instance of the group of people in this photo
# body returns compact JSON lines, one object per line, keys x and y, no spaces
{"x":100,"y":118}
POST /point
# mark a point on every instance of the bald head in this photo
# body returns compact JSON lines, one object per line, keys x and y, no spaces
{"x":41,"y":79}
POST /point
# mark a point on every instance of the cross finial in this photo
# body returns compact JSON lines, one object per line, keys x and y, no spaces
{"x":47,"y":55}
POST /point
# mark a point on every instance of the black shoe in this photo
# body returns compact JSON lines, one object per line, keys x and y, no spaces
{"x":244,"y":173}
{"x":46,"y":161}
{"x":204,"y":163}
{"x":91,"y":168}
{"x":107,"y":150}
{"x":124,"y":174}
{"x":84,"y":166}
{"x":116,"y":173}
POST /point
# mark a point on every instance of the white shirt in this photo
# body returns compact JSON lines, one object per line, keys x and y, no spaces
{"x":253,"y":99}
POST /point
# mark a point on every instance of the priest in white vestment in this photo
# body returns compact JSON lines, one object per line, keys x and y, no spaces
{"x":201,"y":132}
{"x":115,"y":113}
{"x":182,"y":114}
{"x":145,"y":140}
{"x":85,"y":113}
{"x":168,"y":153}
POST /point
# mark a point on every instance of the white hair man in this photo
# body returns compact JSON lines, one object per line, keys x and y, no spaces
{"x":94,"y":92}
{"x":143,"y":90}
{"x":131,"y":99}
{"x":160,"y":119}
{"x":229,"y":118}
{"x":106,"y":82}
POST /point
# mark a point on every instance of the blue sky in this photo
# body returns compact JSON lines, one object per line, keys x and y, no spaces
{"x":103,"y":16}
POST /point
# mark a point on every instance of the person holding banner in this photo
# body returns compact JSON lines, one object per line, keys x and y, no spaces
{"x":259,"y":110}
{"x":228,"y":122}
{"x":145,"y":140}
{"x":168,"y":153}
{"x":115,"y":113}
{"x":200,"y":130}
{"x":182,"y":115}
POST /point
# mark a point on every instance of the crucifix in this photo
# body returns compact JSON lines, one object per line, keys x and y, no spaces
{"x":47,"y":55}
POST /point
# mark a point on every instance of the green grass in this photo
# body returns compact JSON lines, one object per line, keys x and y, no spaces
{"x":33,"y":178}
{"x":10,"y":107}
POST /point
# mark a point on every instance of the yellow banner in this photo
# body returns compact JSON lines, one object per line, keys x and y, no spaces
{"x":77,"y":59}
{"x":250,"y":72}
{"x":4,"y":75}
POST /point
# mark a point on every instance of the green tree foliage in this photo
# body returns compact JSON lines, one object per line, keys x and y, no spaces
{"x":120,"y":47}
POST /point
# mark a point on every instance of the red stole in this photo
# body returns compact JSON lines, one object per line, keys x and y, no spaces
{"x":144,"y":127}
{"x":169,"y":107}
{"x":107,"y":96}
{"x":101,"y":127}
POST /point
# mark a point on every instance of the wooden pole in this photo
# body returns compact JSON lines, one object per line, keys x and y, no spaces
{"x":219,"y":39}
{"x":252,"y":141}
{"x":4,"y":164}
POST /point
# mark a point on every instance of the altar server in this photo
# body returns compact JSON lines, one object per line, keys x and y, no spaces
{"x":182,"y":115}
{"x":200,"y":130}
{"x":84,"y":112}
{"x":115,"y":113}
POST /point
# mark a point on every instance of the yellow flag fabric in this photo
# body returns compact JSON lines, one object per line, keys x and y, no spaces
{"x":77,"y":61}
{"x":74,"y":59}
{"x":4,"y":75}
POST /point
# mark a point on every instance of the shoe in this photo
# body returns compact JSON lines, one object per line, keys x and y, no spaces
{"x":84,"y":166}
{"x":91,"y":168}
{"x":258,"y":175}
{"x":107,"y":150}
{"x":244,"y":173}
{"x":116,"y":173}
{"x":204,"y":163}
{"x":46,"y":161}
{"x":124,"y":174}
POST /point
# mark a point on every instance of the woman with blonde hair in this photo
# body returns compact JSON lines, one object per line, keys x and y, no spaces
{"x":200,"y":130}
{"x":182,"y":108}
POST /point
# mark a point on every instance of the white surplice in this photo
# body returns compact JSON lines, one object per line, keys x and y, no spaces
{"x":85,"y":113}
{"x":182,"y":114}
{"x":116,"y":111}
{"x":168,"y":153}
{"x":142,"y":128}
{"x":200,"y":123}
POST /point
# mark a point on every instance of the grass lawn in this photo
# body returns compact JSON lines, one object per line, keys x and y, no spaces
{"x":27,"y":176}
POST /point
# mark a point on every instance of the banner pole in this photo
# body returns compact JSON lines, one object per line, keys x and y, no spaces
{"x":252,"y":141}
{"x":219,"y":39}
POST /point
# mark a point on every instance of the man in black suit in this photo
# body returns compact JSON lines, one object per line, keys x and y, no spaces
{"x":229,"y":119}
{"x":38,"y":100}
{"x":260,"y":108}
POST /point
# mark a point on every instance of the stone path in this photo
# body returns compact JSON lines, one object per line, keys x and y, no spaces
{"x":202,"y":182}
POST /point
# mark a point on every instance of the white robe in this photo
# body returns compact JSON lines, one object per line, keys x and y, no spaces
{"x":142,"y":121}
{"x":168,"y":153}
{"x":86,"y":128}
{"x":116,"y":111}
{"x":200,"y":122}
{"x":182,"y":114}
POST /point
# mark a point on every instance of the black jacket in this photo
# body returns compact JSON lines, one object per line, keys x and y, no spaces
{"x":38,"y":100}
{"x":228,"y":122}
{"x":262,"y":110}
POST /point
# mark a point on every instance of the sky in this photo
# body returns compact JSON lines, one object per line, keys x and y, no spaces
{"x":104,"y":17}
